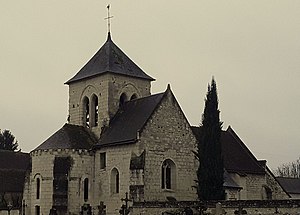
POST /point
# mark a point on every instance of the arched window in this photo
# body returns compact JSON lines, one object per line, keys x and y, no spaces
{"x":268,"y":192}
{"x":37,"y":210}
{"x":38,"y":188}
{"x":94,"y":111}
{"x":86,"y":189}
{"x":134,"y":96}
{"x":115,"y":181}
{"x":86,"y":112}
{"x":123,"y":99}
{"x":168,"y":175}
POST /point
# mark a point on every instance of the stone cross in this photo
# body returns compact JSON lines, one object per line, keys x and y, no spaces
{"x":125,"y":209}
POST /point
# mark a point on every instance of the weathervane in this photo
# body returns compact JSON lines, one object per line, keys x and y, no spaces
{"x":108,"y":18}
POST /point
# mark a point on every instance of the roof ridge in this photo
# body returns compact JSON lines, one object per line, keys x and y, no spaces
{"x":144,"y":97}
{"x":109,"y":58}
{"x":244,"y":147}
{"x":67,"y":137}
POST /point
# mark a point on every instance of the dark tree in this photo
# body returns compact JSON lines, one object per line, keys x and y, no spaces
{"x":209,"y":153}
{"x":7,"y":141}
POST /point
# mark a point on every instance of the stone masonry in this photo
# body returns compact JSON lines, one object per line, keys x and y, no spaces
{"x":108,"y":88}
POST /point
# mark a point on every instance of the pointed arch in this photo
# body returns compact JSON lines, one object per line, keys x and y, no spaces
{"x":134,"y":96}
{"x":123,"y":99}
{"x":168,"y":175}
{"x":114,"y":181}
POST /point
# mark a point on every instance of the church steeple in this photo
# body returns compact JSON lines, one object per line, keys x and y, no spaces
{"x":104,"y":83}
{"x":108,"y":36}
{"x":110,"y":58}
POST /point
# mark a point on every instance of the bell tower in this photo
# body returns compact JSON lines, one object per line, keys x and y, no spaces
{"x":102,"y":85}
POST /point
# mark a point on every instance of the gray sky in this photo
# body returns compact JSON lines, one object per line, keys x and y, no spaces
{"x":251,"y":47}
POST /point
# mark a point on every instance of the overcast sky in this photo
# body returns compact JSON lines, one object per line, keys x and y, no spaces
{"x":252,"y":48}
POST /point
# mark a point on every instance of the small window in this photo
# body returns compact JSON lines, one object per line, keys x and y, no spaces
{"x":117,"y":183}
{"x":268,"y":193}
{"x":102,"y":160}
{"x":38,"y":188}
{"x":86,"y":189}
{"x":37,"y":210}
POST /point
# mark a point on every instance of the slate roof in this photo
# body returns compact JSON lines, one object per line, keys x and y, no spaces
{"x":237,"y":157}
{"x":69,"y":137}
{"x":109,"y":58}
{"x":13,"y":167}
{"x":10,"y":160}
{"x":129,"y":119}
{"x":290,"y":185}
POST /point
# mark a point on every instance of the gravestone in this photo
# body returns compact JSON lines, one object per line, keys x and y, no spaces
{"x":86,"y":209}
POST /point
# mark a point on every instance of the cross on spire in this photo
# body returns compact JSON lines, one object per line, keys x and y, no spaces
{"x":108,"y":18}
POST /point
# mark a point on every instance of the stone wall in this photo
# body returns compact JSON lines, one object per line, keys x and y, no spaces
{"x":12,"y":212}
{"x":257,"y":207}
{"x":42,"y":167}
{"x":168,"y":135}
{"x":108,"y":88}
{"x":252,"y":185}
{"x":273,"y":184}
{"x":82,"y":168}
{"x":117,"y":157}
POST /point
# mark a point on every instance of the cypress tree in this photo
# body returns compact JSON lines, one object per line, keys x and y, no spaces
{"x":211,"y":169}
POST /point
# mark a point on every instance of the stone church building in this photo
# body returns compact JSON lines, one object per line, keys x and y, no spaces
{"x":122,"y":139}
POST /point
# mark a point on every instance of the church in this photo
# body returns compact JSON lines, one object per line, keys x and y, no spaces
{"x":121,"y":139}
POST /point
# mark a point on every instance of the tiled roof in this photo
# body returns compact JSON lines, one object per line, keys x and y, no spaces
{"x":69,"y":137}
{"x":129,"y":120}
{"x":237,"y":157}
{"x":291,"y":185}
{"x":109,"y":58}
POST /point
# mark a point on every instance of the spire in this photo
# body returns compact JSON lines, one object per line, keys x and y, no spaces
{"x":108,"y":37}
{"x":110,"y":58}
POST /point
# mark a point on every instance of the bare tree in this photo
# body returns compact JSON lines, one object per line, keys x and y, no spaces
{"x":291,"y":169}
